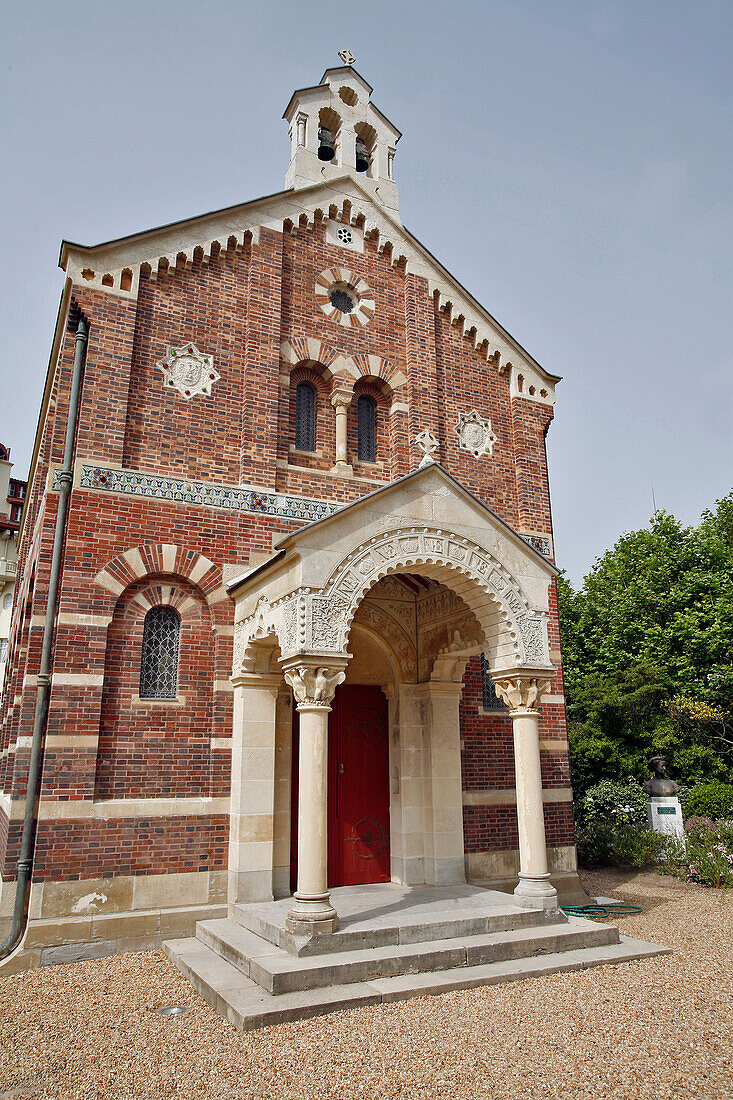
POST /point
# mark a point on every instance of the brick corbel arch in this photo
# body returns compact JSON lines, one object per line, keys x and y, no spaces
{"x":152,"y":559}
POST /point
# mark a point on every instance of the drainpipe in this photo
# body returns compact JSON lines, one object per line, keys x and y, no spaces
{"x":28,"y":836}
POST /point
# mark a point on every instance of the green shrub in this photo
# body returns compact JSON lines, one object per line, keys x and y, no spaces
{"x":614,"y":804}
{"x":704,"y":856}
{"x":714,"y":799}
{"x":595,"y":845}
{"x":601,"y":844}
{"x":637,"y":847}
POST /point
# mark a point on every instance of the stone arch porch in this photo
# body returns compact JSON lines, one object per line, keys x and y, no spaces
{"x":337,"y":590}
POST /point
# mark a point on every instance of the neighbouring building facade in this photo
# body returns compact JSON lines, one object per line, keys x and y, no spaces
{"x":306,"y":632}
{"x":12,"y":496}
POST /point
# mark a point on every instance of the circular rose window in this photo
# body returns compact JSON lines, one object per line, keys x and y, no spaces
{"x":344,"y":297}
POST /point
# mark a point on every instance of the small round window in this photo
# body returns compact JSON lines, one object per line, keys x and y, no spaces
{"x":344,"y":297}
{"x":341,"y":299}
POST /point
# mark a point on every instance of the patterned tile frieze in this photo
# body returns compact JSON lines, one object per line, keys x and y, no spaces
{"x":541,"y":543}
{"x":181,"y":490}
{"x":228,"y":498}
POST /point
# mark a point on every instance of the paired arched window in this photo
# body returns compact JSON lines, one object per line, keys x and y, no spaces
{"x":305,"y":417}
{"x":366,"y":424}
{"x":159,"y":657}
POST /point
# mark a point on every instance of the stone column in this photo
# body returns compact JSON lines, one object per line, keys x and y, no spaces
{"x":341,"y":399}
{"x":314,"y":683}
{"x":445,"y":861}
{"x":407,"y":828}
{"x":521,"y":693}
{"x":252,"y":814}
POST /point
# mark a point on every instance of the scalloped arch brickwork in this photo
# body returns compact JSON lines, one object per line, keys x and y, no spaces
{"x":151,"y":559}
{"x":355,"y":367}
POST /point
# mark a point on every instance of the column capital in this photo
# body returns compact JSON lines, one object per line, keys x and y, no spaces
{"x":314,"y":679}
{"x":341,"y":398}
{"x":522,"y":691}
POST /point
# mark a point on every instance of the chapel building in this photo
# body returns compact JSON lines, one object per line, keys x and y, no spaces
{"x":305,"y":633}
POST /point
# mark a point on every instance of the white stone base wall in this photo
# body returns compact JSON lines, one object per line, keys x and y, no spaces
{"x":499,"y":870}
{"x":91,"y":918}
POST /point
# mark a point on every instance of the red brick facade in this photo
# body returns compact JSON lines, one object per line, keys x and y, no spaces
{"x":240,"y":306}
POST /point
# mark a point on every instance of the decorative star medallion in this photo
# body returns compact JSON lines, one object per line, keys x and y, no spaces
{"x":428,"y":445}
{"x":188,"y":370}
{"x":476,"y":434}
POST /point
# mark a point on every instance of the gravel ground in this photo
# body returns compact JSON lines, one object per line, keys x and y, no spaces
{"x":658,"y":1029}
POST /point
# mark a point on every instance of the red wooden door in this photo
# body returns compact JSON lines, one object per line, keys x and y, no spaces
{"x":358,"y":835}
{"x":358,"y":788}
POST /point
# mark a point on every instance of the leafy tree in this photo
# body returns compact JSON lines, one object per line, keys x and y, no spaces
{"x":648,"y":652}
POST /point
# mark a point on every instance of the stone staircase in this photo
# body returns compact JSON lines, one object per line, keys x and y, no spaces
{"x":394,"y":942}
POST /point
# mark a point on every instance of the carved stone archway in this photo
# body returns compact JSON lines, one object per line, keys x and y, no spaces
{"x":296,"y":612}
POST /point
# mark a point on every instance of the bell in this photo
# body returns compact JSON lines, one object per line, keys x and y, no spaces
{"x":326,"y":147}
{"x":362,"y":156}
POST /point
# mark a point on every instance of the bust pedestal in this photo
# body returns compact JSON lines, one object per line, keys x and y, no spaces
{"x":664,"y":815}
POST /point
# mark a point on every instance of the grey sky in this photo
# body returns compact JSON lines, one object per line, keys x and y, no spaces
{"x":569,"y":162}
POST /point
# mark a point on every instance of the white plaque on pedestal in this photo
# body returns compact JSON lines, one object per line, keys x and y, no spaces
{"x":664,"y":815}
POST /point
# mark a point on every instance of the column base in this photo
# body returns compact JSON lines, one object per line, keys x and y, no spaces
{"x":535,"y":891}
{"x":312,"y":916}
{"x":342,"y":469}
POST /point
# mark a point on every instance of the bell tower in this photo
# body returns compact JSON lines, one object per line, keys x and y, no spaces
{"x":335,"y":129}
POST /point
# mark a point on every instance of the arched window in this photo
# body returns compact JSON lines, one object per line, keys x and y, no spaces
{"x":159,"y":658}
{"x":366,"y":423}
{"x":305,"y":417}
{"x":491,"y":701}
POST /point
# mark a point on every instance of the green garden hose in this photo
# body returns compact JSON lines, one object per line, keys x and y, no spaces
{"x":600,"y":912}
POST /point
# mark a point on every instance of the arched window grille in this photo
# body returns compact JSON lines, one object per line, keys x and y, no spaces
{"x":491,"y":700}
{"x":366,"y":423}
{"x":159,"y":658}
{"x":305,"y":417}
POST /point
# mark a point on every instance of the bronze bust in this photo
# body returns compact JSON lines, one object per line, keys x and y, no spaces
{"x":660,"y":785}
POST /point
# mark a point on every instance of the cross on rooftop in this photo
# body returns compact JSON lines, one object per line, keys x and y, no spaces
{"x":347,"y":57}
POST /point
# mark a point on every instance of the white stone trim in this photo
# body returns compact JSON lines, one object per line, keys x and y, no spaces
{"x":113,"y":808}
{"x":221,"y":743}
{"x":71,"y":741}
{"x":77,"y":679}
{"x":71,"y":618}
{"x":135,"y":562}
{"x":508,"y":796}
{"x":551,"y":745}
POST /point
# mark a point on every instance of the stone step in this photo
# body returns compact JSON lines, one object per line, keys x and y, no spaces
{"x":279,"y":972}
{"x":247,"y":1006}
{"x":267,"y":920}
